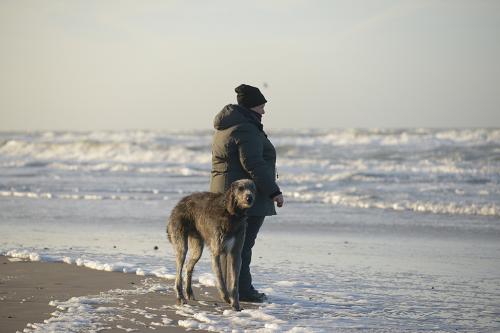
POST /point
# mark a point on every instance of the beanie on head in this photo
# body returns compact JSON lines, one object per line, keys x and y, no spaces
{"x":249,"y":96}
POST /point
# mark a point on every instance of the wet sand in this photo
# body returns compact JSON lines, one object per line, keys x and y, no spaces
{"x":27,"y":288}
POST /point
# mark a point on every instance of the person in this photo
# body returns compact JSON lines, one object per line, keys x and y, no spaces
{"x":241,"y":149}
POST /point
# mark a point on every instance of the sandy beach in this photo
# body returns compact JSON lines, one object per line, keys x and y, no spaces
{"x":34,"y":292}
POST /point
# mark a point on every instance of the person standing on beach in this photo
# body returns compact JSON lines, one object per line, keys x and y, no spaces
{"x":241,"y":149}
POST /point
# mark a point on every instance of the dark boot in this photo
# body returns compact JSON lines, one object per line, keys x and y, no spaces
{"x":253,"y":296}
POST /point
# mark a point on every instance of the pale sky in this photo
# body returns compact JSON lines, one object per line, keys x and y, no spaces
{"x":113,"y":65}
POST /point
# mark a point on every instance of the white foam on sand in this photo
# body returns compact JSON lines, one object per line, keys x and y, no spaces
{"x":15,"y":259}
{"x":77,"y":314}
{"x":93,"y":264}
{"x":30,"y":255}
{"x":254,"y":320}
{"x":98,"y":312}
{"x":87,"y":313}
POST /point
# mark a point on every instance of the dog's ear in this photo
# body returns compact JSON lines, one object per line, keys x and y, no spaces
{"x":231,"y":204}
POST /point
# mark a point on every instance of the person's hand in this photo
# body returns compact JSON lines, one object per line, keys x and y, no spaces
{"x":279,"y":200}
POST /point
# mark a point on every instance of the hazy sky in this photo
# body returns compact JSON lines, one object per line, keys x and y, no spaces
{"x":82,"y":64}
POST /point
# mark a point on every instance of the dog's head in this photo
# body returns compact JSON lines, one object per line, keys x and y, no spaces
{"x":240,"y":196}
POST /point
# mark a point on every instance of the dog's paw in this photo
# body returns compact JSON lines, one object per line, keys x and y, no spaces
{"x":226,"y":299}
{"x":181,"y":301}
{"x":236,"y":307}
{"x":190,"y":294}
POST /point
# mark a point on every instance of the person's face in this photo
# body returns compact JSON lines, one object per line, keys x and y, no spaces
{"x":259,"y":109}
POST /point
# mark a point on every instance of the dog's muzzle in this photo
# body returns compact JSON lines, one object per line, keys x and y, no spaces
{"x":249,"y":199}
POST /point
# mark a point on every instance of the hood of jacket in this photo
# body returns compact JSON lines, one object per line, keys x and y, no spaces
{"x":232,"y":115}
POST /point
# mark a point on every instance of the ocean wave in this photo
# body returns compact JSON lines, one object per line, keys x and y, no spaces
{"x":388,"y":137}
{"x":323,"y":172}
{"x":155,"y":195}
{"x":296,"y":148}
{"x":144,"y":146}
{"x":139,"y":137}
{"x":32,"y":195}
{"x":328,"y":197}
{"x":89,"y":151}
{"x":179,"y":170}
{"x":313,"y":165}
{"x":419,"y":206}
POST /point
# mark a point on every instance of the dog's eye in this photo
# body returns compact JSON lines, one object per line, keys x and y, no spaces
{"x":241,"y":188}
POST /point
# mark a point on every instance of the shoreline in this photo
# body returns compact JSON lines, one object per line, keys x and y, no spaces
{"x":61,"y":296}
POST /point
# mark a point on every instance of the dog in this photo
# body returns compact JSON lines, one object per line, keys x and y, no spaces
{"x":219,"y":221}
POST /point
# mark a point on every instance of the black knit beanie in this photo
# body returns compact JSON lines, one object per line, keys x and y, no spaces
{"x":249,"y":96}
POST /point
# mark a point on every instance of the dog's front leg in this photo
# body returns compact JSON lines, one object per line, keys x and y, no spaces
{"x":216,"y":267}
{"x":234,"y":266}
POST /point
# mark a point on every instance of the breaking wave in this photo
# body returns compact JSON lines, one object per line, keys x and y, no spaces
{"x":437,"y":171}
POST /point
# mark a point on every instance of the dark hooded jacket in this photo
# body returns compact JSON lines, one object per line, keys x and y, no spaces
{"x":241,"y":149}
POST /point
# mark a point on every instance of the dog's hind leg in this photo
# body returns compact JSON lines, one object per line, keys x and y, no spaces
{"x":181,"y":247}
{"x":195,"y":251}
{"x":216,"y":267}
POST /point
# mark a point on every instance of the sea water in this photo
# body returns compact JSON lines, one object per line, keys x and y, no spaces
{"x":382,"y":230}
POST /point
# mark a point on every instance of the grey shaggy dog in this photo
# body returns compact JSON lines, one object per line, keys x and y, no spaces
{"x":218,"y":220}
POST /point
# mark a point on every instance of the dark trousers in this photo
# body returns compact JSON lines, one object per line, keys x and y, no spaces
{"x":245,"y":282}
{"x":253,"y":225}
